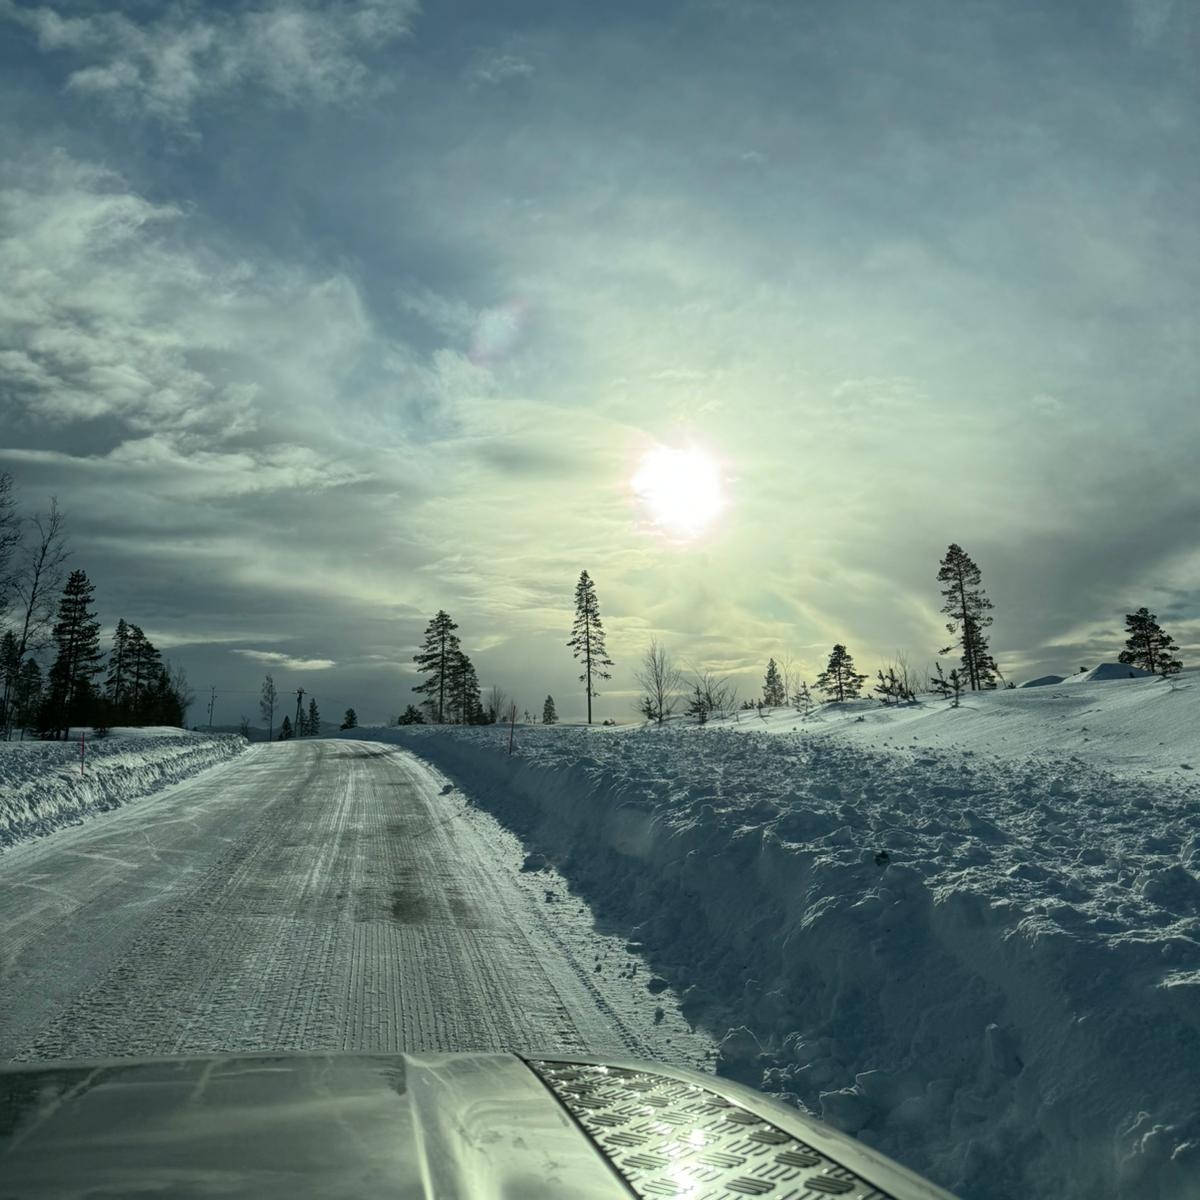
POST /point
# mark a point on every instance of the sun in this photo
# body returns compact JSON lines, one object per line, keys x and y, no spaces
{"x":680,"y":488}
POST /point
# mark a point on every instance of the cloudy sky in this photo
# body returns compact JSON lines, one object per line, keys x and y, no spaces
{"x":318,"y":317}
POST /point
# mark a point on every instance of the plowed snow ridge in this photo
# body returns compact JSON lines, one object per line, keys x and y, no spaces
{"x":989,"y":969}
{"x":43,"y":789}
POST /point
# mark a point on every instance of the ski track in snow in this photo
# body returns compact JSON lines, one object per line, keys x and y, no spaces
{"x":311,"y":895}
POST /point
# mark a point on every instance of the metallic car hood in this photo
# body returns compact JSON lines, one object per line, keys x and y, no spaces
{"x":411,"y":1125}
{"x":427,"y":1126}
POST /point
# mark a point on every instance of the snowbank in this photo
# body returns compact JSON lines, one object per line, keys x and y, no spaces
{"x":41,"y":788}
{"x":989,"y":969}
{"x":1106,"y":672}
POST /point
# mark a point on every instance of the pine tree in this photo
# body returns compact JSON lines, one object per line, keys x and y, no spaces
{"x":463,"y":706}
{"x":160,"y":702}
{"x":948,"y":688}
{"x":10,"y":671}
{"x":27,"y":696}
{"x":839,"y":681}
{"x":313,"y":724}
{"x":435,"y":660}
{"x":773,"y":695}
{"x":967,"y":607}
{"x":285,"y":729}
{"x":892,"y":688}
{"x":266,"y":705}
{"x":412,"y":715}
{"x":118,"y":670}
{"x":142,"y":666}
{"x":1148,"y":646}
{"x":76,"y":633}
{"x":549,"y":715}
{"x":587,"y":638}
{"x":803,"y":700}
{"x":698,"y":705}
{"x":350,"y":720}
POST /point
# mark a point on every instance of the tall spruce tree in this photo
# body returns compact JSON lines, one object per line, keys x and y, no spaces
{"x":76,"y":635}
{"x":463,"y":705}
{"x":773,"y":694}
{"x":587,"y":639}
{"x":549,"y":714}
{"x":434,"y":660}
{"x":968,"y":610}
{"x":285,"y":729}
{"x":839,"y":681}
{"x":350,"y":720}
{"x":118,"y":670}
{"x":312,"y":726}
{"x":1148,"y":646}
{"x":143,"y":664}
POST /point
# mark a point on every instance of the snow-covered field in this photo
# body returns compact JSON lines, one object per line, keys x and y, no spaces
{"x":969,"y":936}
{"x":42,"y":786}
{"x":1136,"y":727}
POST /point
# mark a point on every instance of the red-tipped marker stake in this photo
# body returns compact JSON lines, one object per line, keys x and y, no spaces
{"x":512,"y":720}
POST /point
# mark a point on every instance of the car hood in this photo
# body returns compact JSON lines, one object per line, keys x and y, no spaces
{"x":488,"y":1126}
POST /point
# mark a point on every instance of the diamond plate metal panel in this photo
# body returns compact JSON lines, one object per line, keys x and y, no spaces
{"x":667,"y":1138}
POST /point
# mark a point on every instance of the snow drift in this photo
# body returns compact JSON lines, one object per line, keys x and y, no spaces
{"x":1109,"y":671}
{"x":41,"y":788}
{"x":989,"y":969}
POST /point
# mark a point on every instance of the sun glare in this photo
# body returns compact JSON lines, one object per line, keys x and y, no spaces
{"x":680,"y":488}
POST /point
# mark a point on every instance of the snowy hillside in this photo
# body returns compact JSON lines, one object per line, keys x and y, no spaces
{"x":941,"y":929}
{"x":42,"y":788}
{"x":1142,"y":726}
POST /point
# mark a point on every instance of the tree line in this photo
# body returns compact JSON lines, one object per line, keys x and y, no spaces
{"x":450,"y":692}
{"x":451,"y":695}
{"x":968,"y":610}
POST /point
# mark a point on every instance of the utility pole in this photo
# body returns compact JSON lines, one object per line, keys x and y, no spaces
{"x":212,"y":699}
{"x":299,"y":711}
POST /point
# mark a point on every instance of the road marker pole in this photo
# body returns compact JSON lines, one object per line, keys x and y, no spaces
{"x":512,"y":720}
{"x":82,"y":736}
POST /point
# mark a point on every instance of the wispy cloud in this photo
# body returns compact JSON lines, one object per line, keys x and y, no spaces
{"x":163,"y":65}
{"x":494,"y":68}
{"x":274,"y":658}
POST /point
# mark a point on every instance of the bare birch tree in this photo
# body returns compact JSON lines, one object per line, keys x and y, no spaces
{"x":36,"y":583}
{"x":662,"y":681}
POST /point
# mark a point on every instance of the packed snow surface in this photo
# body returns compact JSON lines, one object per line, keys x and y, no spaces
{"x":46,"y":785}
{"x":311,"y":895}
{"x":981,"y":954}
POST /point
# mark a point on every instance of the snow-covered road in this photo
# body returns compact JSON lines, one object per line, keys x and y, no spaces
{"x":309,"y":895}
